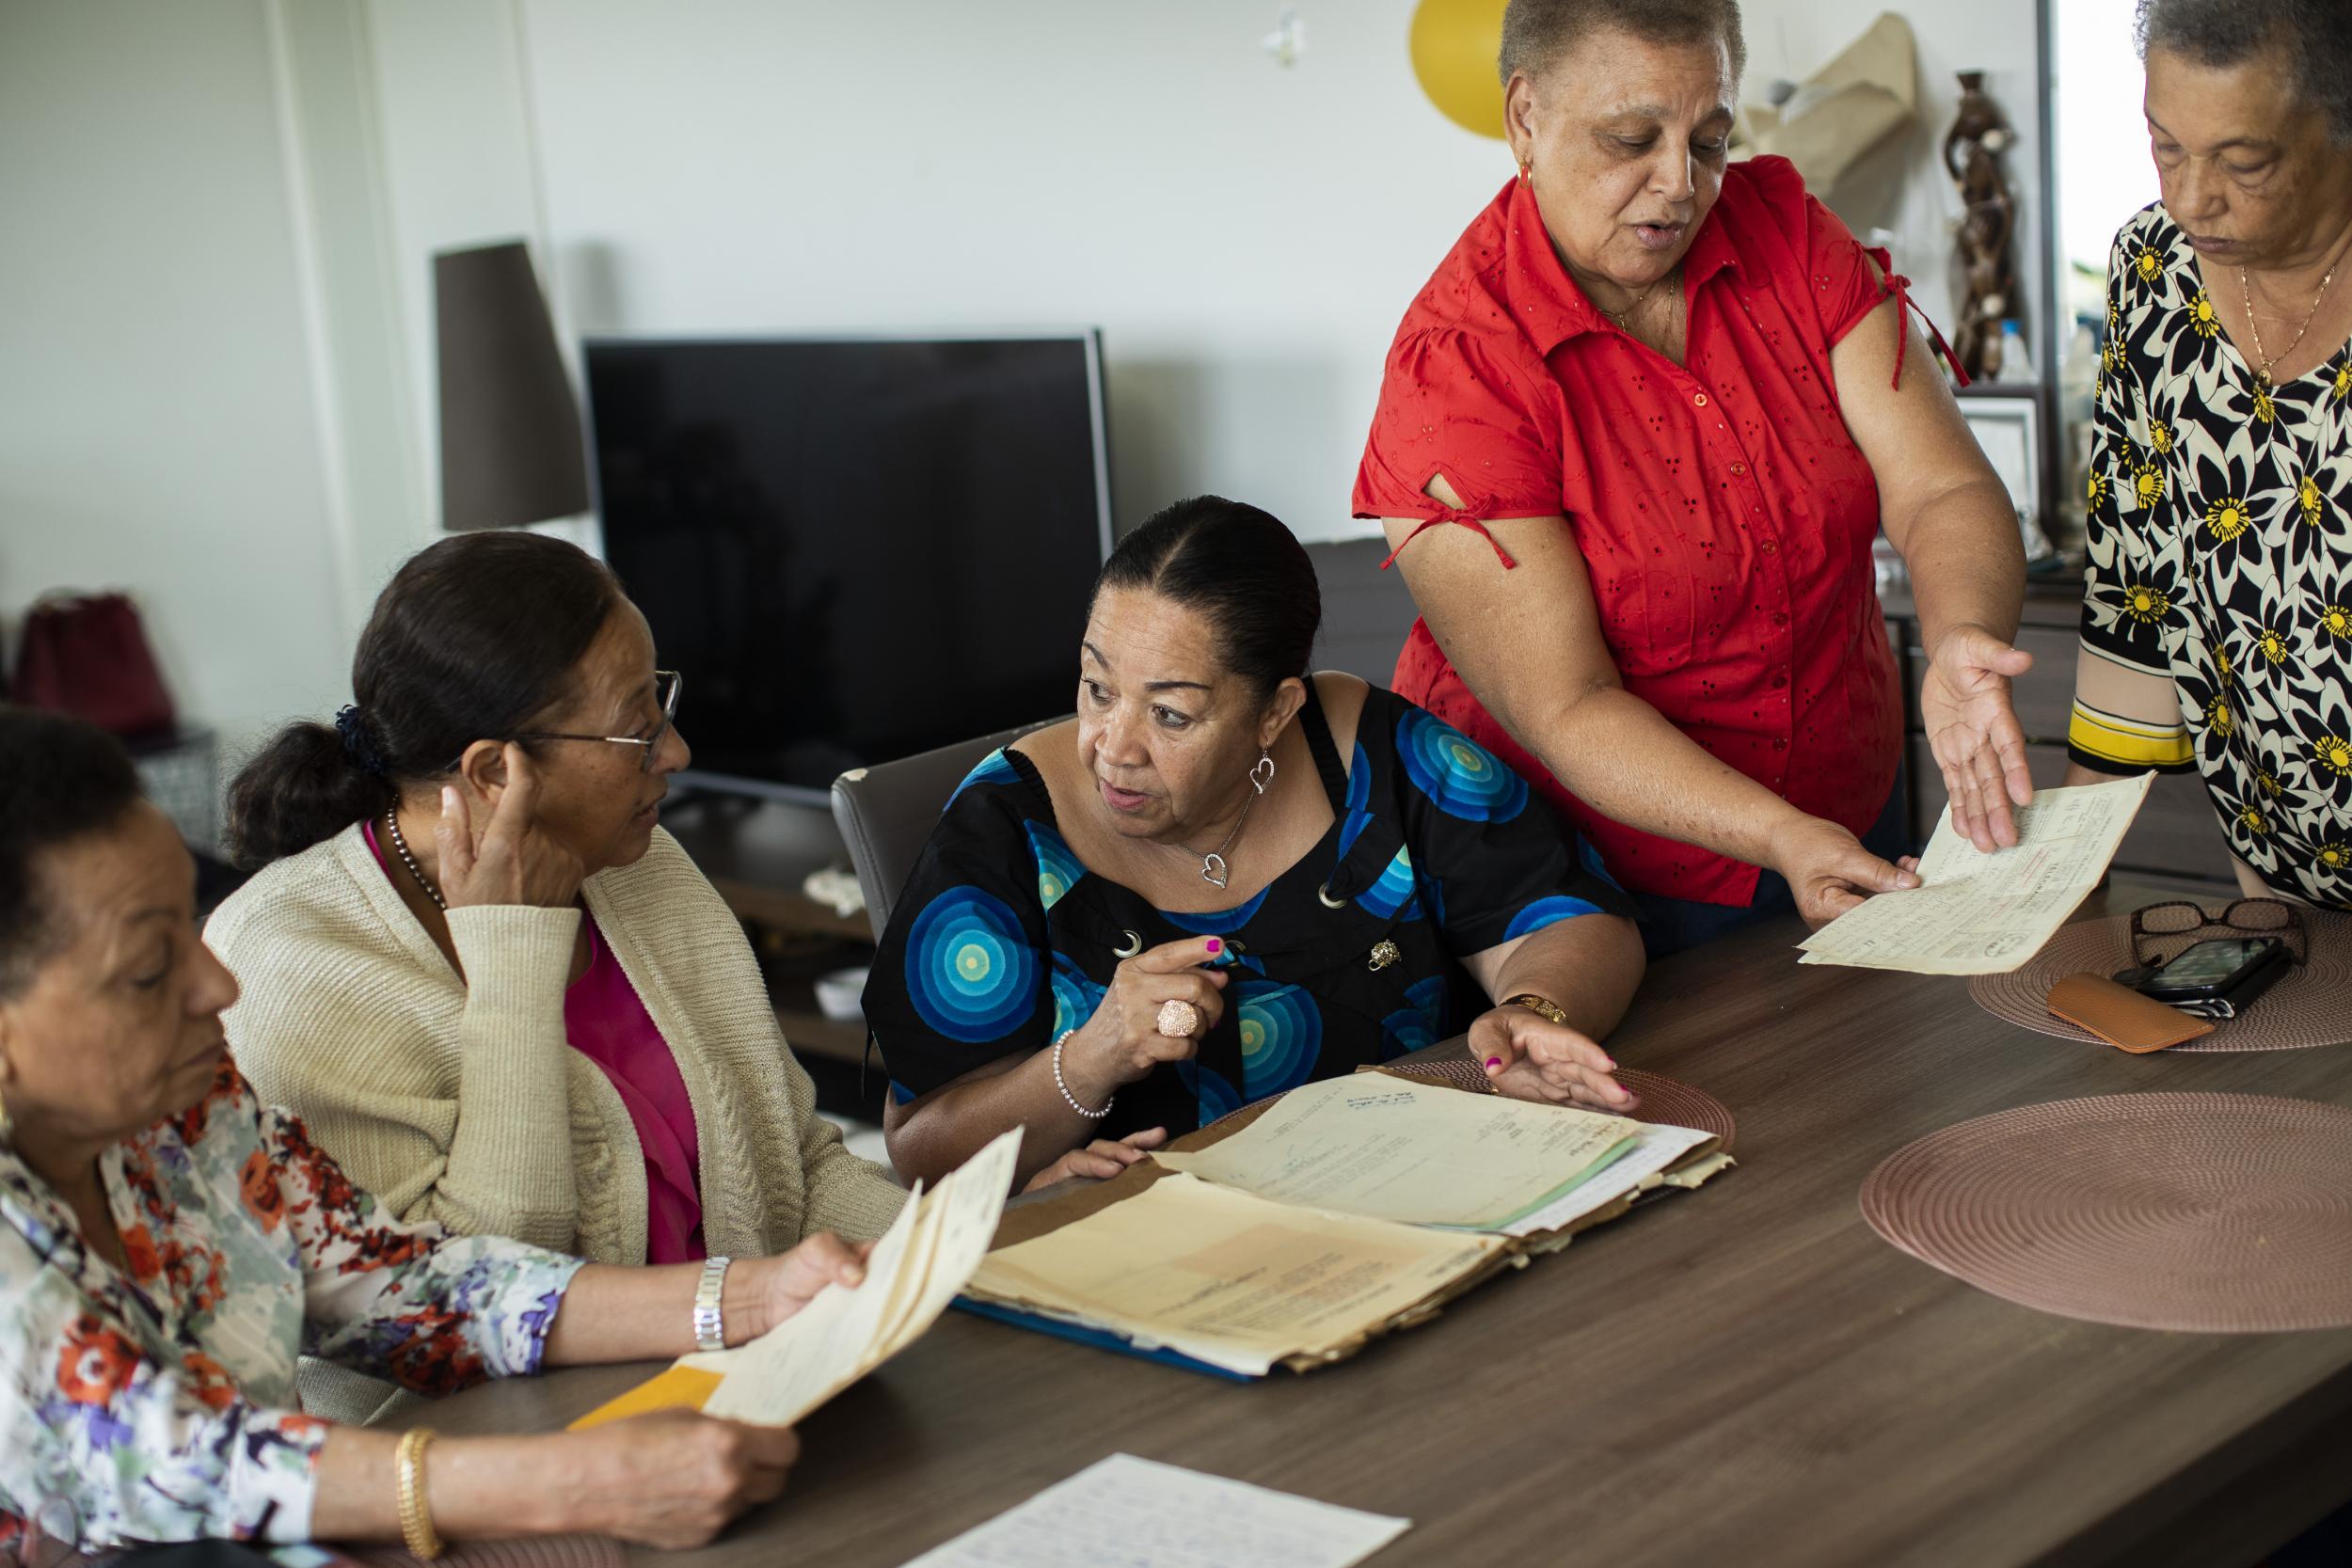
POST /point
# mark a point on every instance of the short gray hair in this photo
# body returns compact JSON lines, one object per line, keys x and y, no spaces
{"x":2315,"y":36}
{"x":1535,"y":33}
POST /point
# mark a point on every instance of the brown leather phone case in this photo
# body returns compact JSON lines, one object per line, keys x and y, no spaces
{"x":2121,"y":1016}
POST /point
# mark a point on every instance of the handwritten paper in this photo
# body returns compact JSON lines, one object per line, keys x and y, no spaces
{"x":1978,"y":913}
{"x":1226,"y":1276}
{"x":1417,"y":1153}
{"x":1164,"y":1516}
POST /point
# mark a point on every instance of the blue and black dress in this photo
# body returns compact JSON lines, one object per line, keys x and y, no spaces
{"x":1003,"y":939}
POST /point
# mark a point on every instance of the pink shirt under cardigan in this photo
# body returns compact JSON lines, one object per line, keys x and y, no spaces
{"x":606,"y":1020}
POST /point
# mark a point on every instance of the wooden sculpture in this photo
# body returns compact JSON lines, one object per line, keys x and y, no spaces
{"x":1984,"y":282}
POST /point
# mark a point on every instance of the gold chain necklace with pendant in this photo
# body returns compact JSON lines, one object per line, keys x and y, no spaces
{"x":2245,"y":291}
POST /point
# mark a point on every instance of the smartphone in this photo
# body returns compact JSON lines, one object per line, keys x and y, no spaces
{"x":2217,"y":970}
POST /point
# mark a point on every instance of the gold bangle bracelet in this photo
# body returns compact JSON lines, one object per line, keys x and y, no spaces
{"x":1535,"y":1004}
{"x":416,"y":1512}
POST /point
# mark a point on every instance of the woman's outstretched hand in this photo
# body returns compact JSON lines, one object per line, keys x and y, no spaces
{"x":1100,"y":1160}
{"x":1528,"y":1056}
{"x":1965,"y":703}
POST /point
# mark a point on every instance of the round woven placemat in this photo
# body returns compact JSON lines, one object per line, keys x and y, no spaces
{"x":2311,"y":1006}
{"x":2213,"y":1213}
{"x":1665,"y":1101}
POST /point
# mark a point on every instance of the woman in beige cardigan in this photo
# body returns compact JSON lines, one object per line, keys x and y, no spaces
{"x":497,"y":992}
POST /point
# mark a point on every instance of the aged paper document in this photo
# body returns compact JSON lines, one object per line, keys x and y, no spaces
{"x":914,"y":1272}
{"x":1228,"y":1277}
{"x":843,"y":1335}
{"x":1369,"y":1144}
{"x":1975,"y":913}
{"x":1167,"y":1517}
{"x":1656,"y":1145}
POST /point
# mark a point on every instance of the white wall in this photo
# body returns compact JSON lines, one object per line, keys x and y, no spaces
{"x":1246,"y":235}
{"x":1793,"y":38}
{"x":157,"y":428}
{"x":215,"y":333}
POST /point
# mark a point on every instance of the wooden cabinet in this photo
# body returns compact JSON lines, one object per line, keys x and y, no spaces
{"x":2176,"y":836}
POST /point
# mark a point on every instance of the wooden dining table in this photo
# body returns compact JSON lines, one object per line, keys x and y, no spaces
{"x":1743,"y":1374}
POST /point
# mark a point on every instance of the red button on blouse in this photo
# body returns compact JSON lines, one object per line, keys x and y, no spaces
{"x":1505,"y":379}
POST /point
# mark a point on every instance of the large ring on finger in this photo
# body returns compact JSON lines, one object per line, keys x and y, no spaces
{"x":1178,"y":1020}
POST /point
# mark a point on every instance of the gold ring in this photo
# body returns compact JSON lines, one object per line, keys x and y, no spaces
{"x":1178,"y":1020}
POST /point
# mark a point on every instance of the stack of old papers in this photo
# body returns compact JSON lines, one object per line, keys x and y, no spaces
{"x":1978,"y":913}
{"x":912,"y":1276}
{"x":1298,"y":1230}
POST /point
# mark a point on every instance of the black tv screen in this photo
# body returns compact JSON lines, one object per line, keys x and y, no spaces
{"x":854,"y":549}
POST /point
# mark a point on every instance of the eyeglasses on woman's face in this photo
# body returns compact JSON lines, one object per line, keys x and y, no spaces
{"x":666,"y":686}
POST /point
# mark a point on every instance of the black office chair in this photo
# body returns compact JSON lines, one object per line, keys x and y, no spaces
{"x":886,"y":813}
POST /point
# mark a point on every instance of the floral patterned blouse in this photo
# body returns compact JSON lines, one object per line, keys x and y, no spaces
{"x":2216,"y":622}
{"x":159,"y":1405}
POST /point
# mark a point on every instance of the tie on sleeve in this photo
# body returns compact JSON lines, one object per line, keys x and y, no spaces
{"x":1454,"y":403}
{"x":1846,"y":288}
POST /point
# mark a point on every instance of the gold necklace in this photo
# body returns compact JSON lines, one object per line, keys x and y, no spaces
{"x":1626,"y":315}
{"x":2245,"y":291}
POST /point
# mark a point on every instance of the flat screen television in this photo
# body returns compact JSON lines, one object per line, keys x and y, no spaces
{"x":852,"y":548}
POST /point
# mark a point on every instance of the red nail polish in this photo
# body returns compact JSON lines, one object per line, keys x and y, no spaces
{"x":1493,"y":1062}
{"x":1216,"y":946}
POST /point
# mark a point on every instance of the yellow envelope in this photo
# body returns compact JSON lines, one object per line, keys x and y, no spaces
{"x":678,"y":1388}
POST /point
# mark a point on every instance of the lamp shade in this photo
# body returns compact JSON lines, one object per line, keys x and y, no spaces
{"x":510,"y":429}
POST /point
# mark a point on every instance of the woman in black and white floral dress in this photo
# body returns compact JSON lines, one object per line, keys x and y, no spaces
{"x":2218,"y":615}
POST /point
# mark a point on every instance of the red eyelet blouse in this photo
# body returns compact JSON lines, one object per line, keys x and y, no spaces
{"x":1723,"y":512}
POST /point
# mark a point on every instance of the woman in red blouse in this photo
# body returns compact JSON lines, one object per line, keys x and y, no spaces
{"x":1669,"y":402}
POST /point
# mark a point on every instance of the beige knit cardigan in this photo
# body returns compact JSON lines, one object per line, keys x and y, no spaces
{"x":459,"y":1099}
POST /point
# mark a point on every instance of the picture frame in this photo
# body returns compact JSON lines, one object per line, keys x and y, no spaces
{"x":2009,"y":429}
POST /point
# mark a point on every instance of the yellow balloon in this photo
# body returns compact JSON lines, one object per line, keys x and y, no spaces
{"x":1455,"y":43}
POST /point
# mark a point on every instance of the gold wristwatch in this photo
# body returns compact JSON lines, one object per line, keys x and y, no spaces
{"x":1535,"y":1004}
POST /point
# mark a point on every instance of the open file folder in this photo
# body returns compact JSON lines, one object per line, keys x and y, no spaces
{"x":1295,"y":1232}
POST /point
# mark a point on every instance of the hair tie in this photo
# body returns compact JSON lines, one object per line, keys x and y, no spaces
{"x":358,"y":744}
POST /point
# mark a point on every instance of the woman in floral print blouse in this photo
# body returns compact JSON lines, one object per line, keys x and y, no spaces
{"x":2217,"y":617}
{"x":168,"y":1246}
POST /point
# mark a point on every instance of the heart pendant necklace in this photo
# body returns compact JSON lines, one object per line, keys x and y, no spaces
{"x":1213,"y":870}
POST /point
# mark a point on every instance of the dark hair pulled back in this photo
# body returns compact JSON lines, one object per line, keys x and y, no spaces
{"x":60,"y":779}
{"x":471,"y":638}
{"x":1239,"y":567}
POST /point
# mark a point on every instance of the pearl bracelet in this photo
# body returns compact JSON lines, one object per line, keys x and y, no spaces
{"x":1063,"y":1084}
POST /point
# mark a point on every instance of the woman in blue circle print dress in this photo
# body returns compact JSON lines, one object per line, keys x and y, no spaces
{"x":1225,"y":877}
